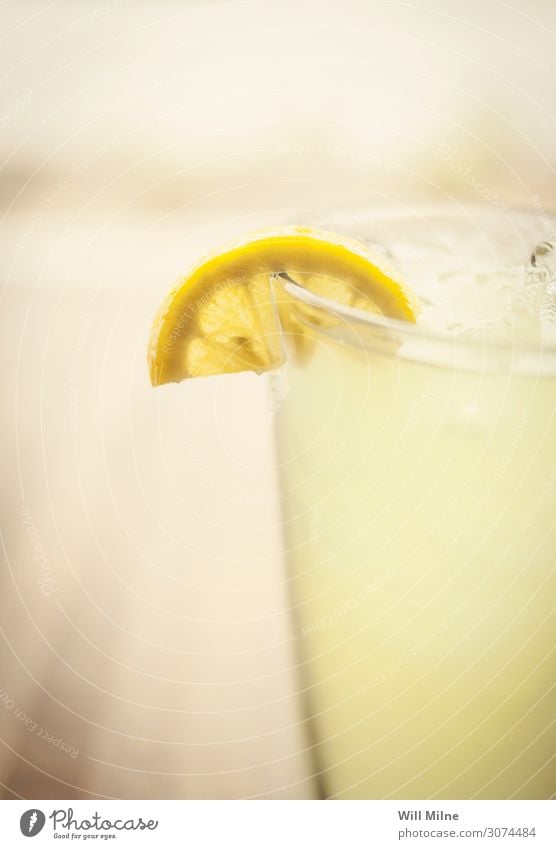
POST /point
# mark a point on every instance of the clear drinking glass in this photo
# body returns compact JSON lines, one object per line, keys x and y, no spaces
{"x":418,"y":472}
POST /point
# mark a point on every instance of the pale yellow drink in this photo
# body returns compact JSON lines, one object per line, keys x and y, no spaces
{"x":419,"y":483}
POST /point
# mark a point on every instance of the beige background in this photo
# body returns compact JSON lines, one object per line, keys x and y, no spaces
{"x":143,"y":606}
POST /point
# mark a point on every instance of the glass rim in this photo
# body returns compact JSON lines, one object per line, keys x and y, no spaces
{"x":525,"y":353}
{"x":408,"y":328}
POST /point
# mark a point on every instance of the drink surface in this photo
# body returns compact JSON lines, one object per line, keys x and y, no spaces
{"x":420,"y":525}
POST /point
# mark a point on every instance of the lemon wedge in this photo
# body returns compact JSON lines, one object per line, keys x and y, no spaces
{"x":224,"y":318}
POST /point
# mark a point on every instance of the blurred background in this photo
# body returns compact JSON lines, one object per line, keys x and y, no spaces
{"x":145,"y":646}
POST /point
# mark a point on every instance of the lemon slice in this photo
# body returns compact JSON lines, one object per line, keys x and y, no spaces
{"x":223,"y":317}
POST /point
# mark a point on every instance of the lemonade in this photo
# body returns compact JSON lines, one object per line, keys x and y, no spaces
{"x":418,"y":469}
{"x":414,"y":362}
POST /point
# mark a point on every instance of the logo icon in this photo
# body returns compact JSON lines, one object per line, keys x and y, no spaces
{"x":32,"y":822}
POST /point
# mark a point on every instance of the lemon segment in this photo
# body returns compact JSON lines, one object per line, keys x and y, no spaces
{"x":223,"y":317}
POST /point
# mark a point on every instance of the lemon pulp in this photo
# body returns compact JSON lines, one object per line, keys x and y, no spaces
{"x":223,"y":317}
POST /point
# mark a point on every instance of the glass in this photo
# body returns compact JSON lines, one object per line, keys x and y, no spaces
{"x":418,"y":474}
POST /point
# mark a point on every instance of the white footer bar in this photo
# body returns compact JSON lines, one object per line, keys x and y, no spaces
{"x":280,"y":824}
